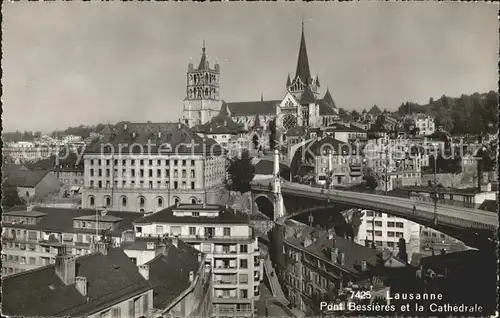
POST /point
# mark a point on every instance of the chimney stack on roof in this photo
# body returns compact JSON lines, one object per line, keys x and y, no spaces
{"x":81,"y":285}
{"x":65,"y":266}
{"x":342,"y":259}
{"x":144,"y":271}
{"x":333,"y":255}
{"x":363,"y":266}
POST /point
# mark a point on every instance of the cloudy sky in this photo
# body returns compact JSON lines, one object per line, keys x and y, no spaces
{"x":72,"y":63}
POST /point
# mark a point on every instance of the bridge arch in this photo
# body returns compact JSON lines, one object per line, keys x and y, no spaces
{"x":265,"y":206}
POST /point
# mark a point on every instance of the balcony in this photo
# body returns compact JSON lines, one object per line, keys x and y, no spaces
{"x":215,"y":238}
{"x":233,"y":267}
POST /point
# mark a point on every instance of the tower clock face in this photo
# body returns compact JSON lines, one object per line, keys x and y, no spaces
{"x":289,"y":121}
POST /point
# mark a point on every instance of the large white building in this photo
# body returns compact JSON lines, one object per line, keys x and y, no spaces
{"x":387,"y":230}
{"x":230,"y":246}
{"x":146,"y":167}
{"x":424,"y":123}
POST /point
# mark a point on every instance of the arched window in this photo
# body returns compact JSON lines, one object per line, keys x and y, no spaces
{"x":177,"y":200}
{"x":141,"y":210}
{"x":142,"y":202}
{"x":124,"y":202}
{"x":91,"y":201}
{"x":194,"y":200}
{"x":107,"y":202}
{"x":160,"y":202}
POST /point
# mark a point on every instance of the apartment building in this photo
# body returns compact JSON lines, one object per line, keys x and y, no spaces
{"x":318,"y":266}
{"x":330,"y":157}
{"x":387,"y":230}
{"x":30,"y":238}
{"x":102,"y":284}
{"x":182,"y":284}
{"x":147,"y":167}
{"x":425,"y":124}
{"x":230,"y":245}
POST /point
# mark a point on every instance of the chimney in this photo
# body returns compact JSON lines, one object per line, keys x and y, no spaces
{"x":162,"y":248}
{"x":307,"y":241}
{"x":81,"y":285}
{"x":333,"y":255}
{"x":342,"y":259}
{"x":363,"y":266}
{"x":102,"y":247}
{"x":175,"y":241}
{"x":144,"y":271}
{"x":199,"y":257}
{"x":65,"y":266}
{"x":191,"y":276}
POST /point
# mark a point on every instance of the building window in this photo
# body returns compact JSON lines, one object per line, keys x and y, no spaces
{"x":183,"y":163}
{"x":378,"y":233}
{"x":390,"y":224}
{"x":390,"y":234}
{"x":177,"y":200}
{"x":91,"y":172}
{"x":243,"y":278}
{"x":399,"y":225}
{"x":160,"y":202}
{"x":243,"y":263}
{"x":142,"y":202}
{"x":243,"y":293}
{"x":124,"y":202}
{"x":107,"y":202}
{"x":159,"y":229}
{"x":192,"y":185}
{"x":192,"y":230}
{"x":243,"y":248}
{"x":378,"y":223}
{"x":141,"y":173}
{"x":194,"y":201}
{"x":91,"y":201}
{"x":227,"y":231}
{"x":141,"y":162}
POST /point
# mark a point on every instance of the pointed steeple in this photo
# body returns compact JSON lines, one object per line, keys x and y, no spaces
{"x":317,"y":80}
{"x":203,"y":60}
{"x":328,"y":98}
{"x":303,"y":71}
{"x":288,"y":81}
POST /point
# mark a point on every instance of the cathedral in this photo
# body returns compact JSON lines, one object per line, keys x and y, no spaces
{"x":301,"y":106}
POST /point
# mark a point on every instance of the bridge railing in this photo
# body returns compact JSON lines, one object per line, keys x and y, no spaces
{"x":388,"y":207}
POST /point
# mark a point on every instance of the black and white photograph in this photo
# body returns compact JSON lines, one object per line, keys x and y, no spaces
{"x":249,"y":159}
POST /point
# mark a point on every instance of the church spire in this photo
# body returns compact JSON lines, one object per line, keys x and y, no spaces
{"x":303,"y":71}
{"x":203,"y":58}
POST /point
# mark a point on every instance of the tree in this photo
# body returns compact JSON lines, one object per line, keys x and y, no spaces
{"x":370,"y":179}
{"x":355,"y":115}
{"x":272,"y":134}
{"x":240,"y":172}
{"x":10,"y":196}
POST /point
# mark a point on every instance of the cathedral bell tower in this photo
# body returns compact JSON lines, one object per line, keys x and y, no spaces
{"x":202,"y":92}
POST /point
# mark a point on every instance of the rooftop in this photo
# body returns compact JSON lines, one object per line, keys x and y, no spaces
{"x":61,"y":220}
{"x":40,"y":292}
{"x":169,"y":272}
{"x":320,"y":246}
{"x":218,"y":215}
{"x":20,"y":176}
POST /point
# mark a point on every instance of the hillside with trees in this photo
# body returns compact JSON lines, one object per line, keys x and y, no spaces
{"x":473,"y":114}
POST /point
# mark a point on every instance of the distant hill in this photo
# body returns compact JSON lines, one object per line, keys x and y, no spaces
{"x":476,"y":113}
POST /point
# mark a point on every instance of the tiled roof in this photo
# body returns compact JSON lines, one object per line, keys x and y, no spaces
{"x":169,"y":273}
{"x":307,"y":96}
{"x":220,"y":124}
{"x":40,"y":292}
{"x":252,"y":108}
{"x":489,"y":205}
{"x":158,"y":135}
{"x":342,"y":128}
{"x":326,"y":109}
{"x":19,"y":176}
{"x":375,"y":110}
{"x":328,"y":98}
{"x":225,"y":216}
{"x":354,"y":253}
{"x":61,"y":220}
